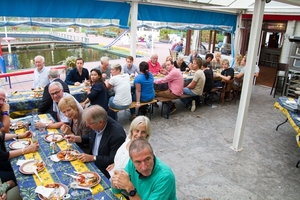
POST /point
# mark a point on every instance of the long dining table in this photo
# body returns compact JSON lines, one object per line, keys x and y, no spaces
{"x":23,"y":102}
{"x":27,"y":183}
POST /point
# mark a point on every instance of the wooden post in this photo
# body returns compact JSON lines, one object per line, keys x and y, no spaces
{"x":188,"y":42}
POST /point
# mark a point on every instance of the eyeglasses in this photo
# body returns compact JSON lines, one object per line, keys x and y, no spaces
{"x":55,"y":93}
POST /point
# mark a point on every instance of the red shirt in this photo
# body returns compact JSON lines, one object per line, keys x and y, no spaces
{"x":154,"y":68}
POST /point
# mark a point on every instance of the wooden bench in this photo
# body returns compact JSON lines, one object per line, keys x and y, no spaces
{"x":110,"y":34}
{"x":91,"y":32}
{"x":24,"y":72}
{"x":132,"y":105}
{"x":167,"y":101}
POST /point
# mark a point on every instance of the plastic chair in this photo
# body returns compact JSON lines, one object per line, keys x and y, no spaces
{"x":281,"y":71}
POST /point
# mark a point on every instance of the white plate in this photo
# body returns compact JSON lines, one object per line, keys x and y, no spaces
{"x":63,"y":189}
{"x":20,"y":144}
{"x":26,"y":168}
{"x":56,"y":137}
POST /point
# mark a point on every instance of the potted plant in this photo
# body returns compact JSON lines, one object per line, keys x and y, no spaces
{"x":70,"y":63}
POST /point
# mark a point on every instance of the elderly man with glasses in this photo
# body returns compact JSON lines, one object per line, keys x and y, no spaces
{"x":104,"y":140}
{"x":56,"y":92}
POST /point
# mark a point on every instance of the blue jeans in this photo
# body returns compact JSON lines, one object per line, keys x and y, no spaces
{"x":112,"y":105}
{"x":118,"y":107}
{"x":189,"y":99}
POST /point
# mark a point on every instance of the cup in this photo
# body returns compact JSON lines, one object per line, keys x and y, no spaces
{"x":49,"y":164}
{"x":34,"y":137}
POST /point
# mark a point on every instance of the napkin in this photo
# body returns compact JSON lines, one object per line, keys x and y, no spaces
{"x":54,"y":158}
{"x":21,"y":162}
{"x":46,"y":192}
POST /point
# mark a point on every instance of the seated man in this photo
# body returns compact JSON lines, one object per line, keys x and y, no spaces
{"x":145,"y":176}
{"x":46,"y":104}
{"x":77,"y":75}
{"x":154,"y":66}
{"x":104,"y":67}
{"x":4,"y":109}
{"x":56,"y":92}
{"x":129,"y":67}
{"x":175,"y":84}
{"x":226,"y":75}
{"x":104,"y":140}
{"x":196,"y":86}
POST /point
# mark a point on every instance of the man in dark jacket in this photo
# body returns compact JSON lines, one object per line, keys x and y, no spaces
{"x":105,"y":138}
{"x":45,"y":105}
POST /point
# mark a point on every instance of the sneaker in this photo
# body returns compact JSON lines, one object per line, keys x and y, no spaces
{"x":193,"y":108}
{"x":172,"y":110}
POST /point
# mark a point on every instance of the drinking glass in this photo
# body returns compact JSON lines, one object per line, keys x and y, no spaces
{"x":69,"y":145}
{"x":74,"y":185}
{"x":34,"y":113}
{"x":34,"y":137}
{"x":49,"y":164}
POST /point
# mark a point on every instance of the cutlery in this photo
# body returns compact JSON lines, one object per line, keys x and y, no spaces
{"x":36,"y":173}
{"x":73,"y":176}
{"x":83,"y":188}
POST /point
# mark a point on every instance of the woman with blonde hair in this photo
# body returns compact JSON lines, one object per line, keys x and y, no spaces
{"x":140,"y":127}
{"x":68,"y":106}
{"x":237,"y":64}
{"x":217,"y":61}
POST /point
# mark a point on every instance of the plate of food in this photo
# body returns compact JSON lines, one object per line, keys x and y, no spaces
{"x":61,"y":191}
{"x":54,"y":137}
{"x":20,"y":144}
{"x":36,"y":95}
{"x":67,"y":155}
{"x":88,"y":179}
{"x":47,"y":121}
{"x":27,"y":168}
{"x":17,"y":125}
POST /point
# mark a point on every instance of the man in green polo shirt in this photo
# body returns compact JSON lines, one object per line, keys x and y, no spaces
{"x":145,"y":176}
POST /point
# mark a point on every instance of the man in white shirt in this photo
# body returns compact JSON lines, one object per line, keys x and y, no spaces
{"x":40,"y":75}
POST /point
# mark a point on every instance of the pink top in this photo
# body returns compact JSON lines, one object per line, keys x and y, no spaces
{"x":174,"y":80}
{"x":154,"y":69}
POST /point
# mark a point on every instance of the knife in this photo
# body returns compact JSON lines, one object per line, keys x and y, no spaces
{"x":73,"y":176}
{"x":36,"y":173}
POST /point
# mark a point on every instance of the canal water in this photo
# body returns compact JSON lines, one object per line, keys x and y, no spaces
{"x":24,"y":58}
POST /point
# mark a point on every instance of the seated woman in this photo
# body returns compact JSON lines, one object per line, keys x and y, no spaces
{"x":140,"y":127}
{"x":179,"y":63}
{"x":6,"y":172}
{"x":68,"y":106}
{"x":77,"y":75}
{"x":121,"y":84}
{"x":143,"y":87}
{"x":226,"y":75}
{"x":237,"y":64}
{"x":196,"y":86}
{"x":217,"y":61}
{"x":98,"y":93}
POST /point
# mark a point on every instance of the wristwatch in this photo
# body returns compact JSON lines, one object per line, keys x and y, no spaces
{"x":46,"y":125}
{"x":132,"y":193}
{"x":95,"y":158}
{"x":5,"y":113}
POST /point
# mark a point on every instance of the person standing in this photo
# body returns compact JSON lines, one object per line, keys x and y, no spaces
{"x":40,"y":74}
{"x":145,"y":176}
{"x":175,"y":84}
{"x":104,"y":140}
{"x":77,"y":75}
